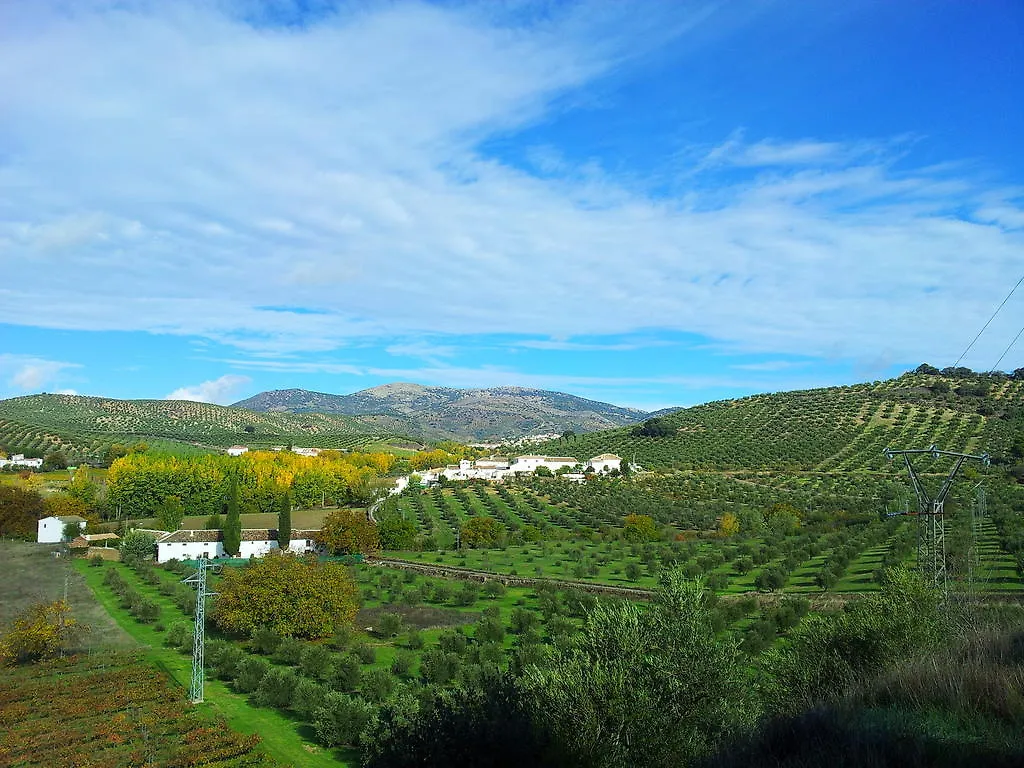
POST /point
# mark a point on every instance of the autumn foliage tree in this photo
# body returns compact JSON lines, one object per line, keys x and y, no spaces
{"x":482,"y":531}
{"x":43,"y":631}
{"x":290,"y":595}
{"x":639,"y":528}
{"x":348,"y":532}
{"x":20,"y":511}
{"x":729,"y":525}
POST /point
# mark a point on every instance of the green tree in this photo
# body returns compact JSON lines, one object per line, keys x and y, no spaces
{"x":171,"y":513}
{"x":639,"y":528}
{"x":55,"y":460}
{"x":348,"y":532}
{"x":396,"y":533}
{"x":293,"y":596}
{"x":138,"y":545}
{"x":20,"y":512}
{"x":284,"y":522}
{"x":233,"y":521}
{"x":482,"y":531}
{"x":214,"y":522}
{"x":638,"y":687}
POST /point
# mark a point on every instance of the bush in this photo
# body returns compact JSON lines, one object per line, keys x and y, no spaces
{"x":275,"y":688}
{"x":289,"y":651}
{"x":493,"y":589}
{"x":251,"y":671}
{"x":415,"y":639}
{"x":467,"y":594}
{"x":340,"y":719}
{"x":366,"y":653}
{"x":389,"y":624}
{"x":345,"y":673}
{"x":96,"y":561}
{"x":307,"y":696}
{"x":265,"y":641}
{"x":227,"y":662}
{"x":402,"y":663}
{"x":315,"y":662}
{"x":178,"y":633}
{"x":828,"y":652}
{"x":376,"y":685}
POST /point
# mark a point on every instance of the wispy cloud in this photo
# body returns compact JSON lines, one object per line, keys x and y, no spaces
{"x":292,"y":190}
{"x":222,"y":390}
{"x":26,"y":373}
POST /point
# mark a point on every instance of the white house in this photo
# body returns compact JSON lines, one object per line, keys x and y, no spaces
{"x":237,"y":450}
{"x":605,"y":462}
{"x":51,"y":529}
{"x":190,"y":545}
{"x":311,"y":452}
{"x":19,"y":460}
{"x":255,"y":542}
{"x":529,"y":463}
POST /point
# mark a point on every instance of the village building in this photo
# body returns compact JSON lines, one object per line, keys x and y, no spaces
{"x":237,"y":450}
{"x":19,"y":460}
{"x":255,"y":542}
{"x":310,"y":452}
{"x":50,"y":530}
{"x":530,"y":463}
{"x":605,"y":462}
{"x":94,"y":540}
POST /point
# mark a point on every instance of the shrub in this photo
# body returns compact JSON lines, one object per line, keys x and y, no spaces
{"x":250,"y":673}
{"x":289,"y":651}
{"x":340,"y":719}
{"x":275,"y":688}
{"x":178,"y":633}
{"x":265,"y":641}
{"x":493,"y":589}
{"x":389,"y":624}
{"x":366,"y":653}
{"x":315,"y":662}
{"x":345,"y":673}
{"x":402,"y":663}
{"x":96,"y":561}
{"x":376,"y":685}
{"x":415,"y":639}
{"x":307,"y":696}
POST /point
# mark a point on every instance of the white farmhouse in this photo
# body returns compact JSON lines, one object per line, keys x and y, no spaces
{"x":310,"y":452}
{"x":190,"y":545}
{"x":529,"y":463}
{"x":51,"y":529}
{"x":19,"y":460}
{"x":237,"y":450}
{"x":605,"y":462}
{"x":255,"y":542}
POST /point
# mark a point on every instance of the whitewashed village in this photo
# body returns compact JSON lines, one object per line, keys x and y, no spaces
{"x":195,"y":544}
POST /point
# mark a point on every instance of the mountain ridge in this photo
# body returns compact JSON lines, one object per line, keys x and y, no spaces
{"x":465,"y":414}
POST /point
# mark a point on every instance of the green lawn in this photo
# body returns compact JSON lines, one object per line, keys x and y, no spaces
{"x":284,"y":738}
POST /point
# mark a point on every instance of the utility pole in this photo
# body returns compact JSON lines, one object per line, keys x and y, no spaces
{"x":931,"y":532}
{"x":198,"y":580}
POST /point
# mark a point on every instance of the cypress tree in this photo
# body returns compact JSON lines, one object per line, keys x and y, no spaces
{"x":233,"y":523}
{"x":284,"y":522}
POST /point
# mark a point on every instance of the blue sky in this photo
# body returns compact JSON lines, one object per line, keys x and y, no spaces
{"x":651,"y":204}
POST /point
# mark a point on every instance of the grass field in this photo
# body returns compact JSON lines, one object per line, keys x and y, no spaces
{"x":284,"y":738}
{"x":30,"y":574}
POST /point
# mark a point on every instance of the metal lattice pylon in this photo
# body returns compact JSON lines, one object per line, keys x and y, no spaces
{"x":931,"y":523}
{"x":198,"y":580}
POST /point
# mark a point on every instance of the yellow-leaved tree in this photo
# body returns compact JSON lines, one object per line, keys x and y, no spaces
{"x":293,"y":596}
{"x":43,"y":631}
{"x":729,"y":525}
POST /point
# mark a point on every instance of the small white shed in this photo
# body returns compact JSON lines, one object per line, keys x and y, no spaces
{"x":51,"y":529}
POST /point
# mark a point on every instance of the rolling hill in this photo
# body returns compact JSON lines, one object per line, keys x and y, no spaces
{"x":835,"y":429}
{"x":499,"y":413}
{"x":84,"y":426}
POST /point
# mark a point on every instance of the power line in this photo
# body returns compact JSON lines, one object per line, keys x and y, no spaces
{"x":987,"y":324}
{"x":1008,"y":348}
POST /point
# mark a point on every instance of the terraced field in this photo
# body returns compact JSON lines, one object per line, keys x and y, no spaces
{"x":836,"y":429}
{"x":84,"y":427}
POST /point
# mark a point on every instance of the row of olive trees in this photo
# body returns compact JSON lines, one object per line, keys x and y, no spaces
{"x":651,"y":685}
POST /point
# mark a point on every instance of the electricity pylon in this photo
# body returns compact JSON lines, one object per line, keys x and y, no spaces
{"x":198,"y":580}
{"x":931,"y":532}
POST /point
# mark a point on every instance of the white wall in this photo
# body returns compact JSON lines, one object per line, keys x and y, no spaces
{"x":188,"y":550}
{"x":249,"y":549}
{"x":50,"y":530}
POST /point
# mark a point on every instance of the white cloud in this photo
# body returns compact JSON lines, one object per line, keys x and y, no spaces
{"x":222,"y":390}
{"x":31,"y":374}
{"x":175,"y":170}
